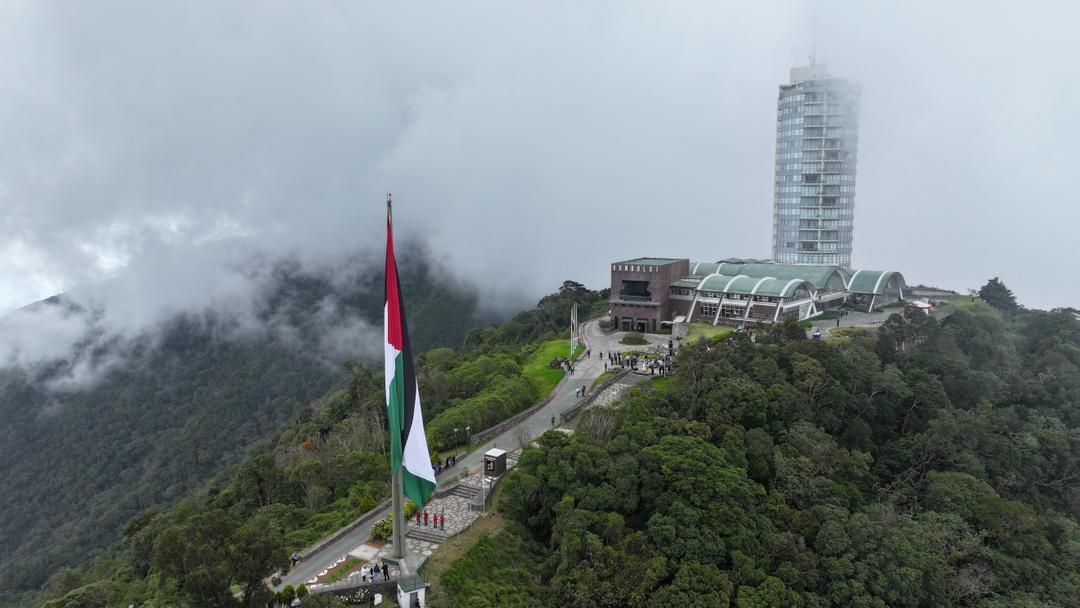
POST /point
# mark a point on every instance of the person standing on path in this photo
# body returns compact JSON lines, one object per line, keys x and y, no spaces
{"x":385,"y":571}
{"x":425,"y":517}
{"x":553,"y":422}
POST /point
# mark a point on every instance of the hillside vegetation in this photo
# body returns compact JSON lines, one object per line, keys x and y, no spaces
{"x":935,"y":467}
{"x":317,"y":472}
{"x":186,"y":404}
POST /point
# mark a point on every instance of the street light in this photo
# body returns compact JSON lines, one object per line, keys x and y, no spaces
{"x":456,"y":429}
{"x":468,"y":436}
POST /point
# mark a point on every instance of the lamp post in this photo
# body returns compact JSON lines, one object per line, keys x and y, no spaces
{"x":468,"y":436}
{"x":456,"y":429}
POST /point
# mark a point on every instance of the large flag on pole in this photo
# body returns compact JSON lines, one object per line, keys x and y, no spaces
{"x":408,"y":445}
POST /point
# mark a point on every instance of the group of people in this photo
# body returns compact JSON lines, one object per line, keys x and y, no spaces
{"x":374,"y":573}
{"x":613,"y":359}
{"x":438,"y":520}
{"x":564,"y":364}
{"x":659,"y":366}
{"x":655,"y":364}
{"x":439,"y":467}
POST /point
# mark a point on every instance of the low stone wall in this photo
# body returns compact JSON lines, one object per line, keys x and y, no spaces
{"x":356,"y":523}
{"x":571,"y":413}
{"x":500,"y":428}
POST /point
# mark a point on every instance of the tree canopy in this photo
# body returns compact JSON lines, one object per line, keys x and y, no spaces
{"x":996,"y":294}
{"x":935,"y":467}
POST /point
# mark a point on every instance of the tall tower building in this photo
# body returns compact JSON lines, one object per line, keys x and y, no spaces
{"x":817,"y":141}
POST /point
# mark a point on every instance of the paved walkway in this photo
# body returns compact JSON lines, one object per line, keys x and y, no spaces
{"x":854,"y":319}
{"x":586,"y":371}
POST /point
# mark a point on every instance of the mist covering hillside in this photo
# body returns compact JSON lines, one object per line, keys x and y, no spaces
{"x":121,"y":423}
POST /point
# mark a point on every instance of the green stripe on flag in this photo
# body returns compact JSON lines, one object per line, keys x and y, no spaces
{"x":418,"y":489}
{"x":396,"y":413}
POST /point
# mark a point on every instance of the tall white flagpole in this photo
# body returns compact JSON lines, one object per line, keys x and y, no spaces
{"x":396,"y":500}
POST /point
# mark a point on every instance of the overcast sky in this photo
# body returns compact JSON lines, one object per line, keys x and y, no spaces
{"x":529,"y":142}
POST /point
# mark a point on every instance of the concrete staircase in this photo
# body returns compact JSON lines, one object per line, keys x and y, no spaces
{"x":464,"y":491}
{"x":430,"y":535}
{"x":512,"y":458}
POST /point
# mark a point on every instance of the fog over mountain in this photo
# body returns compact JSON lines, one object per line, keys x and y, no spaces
{"x":160,"y":155}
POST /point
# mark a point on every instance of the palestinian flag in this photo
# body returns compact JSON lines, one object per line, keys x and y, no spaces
{"x":408,"y":445}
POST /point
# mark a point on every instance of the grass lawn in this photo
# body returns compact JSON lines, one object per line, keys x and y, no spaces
{"x":341,"y":571}
{"x":964,"y":303}
{"x":704,"y":330}
{"x":660,"y":381}
{"x":538,"y":366}
{"x":451,"y":550}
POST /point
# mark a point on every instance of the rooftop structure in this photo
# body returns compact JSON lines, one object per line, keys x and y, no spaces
{"x":817,"y":126}
{"x":646,"y":296}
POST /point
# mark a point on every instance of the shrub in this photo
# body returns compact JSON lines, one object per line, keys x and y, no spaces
{"x":384,"y":529}
{"x":634,"y":340}
{"x":287,"y":594}
{"x":367,"y":503}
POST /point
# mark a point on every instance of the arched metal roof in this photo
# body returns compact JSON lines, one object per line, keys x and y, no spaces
{"x":873,"y":282}
{"x":717,"y":275}
{"x":818,"y":276}
{"x":701,"y":269}
{"x":746,"y":285}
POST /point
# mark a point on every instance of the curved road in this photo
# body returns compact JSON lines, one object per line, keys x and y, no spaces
{"x":587,"y":370}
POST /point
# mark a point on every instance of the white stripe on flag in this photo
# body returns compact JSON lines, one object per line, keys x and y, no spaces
{"x":390,"y":353}
{"x":416,"y":458}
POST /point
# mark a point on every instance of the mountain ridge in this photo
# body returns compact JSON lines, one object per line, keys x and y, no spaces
{"x":184,"y":400}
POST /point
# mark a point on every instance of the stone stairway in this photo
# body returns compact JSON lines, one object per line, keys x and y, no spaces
{"x":512,"y":458}
{"x":430,"y":535}
{"x":467,"y":492}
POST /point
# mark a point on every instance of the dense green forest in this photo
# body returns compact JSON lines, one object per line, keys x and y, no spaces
{"x":323,"y":468}
{"x":932,"y":465}
{"x":186,"y":404}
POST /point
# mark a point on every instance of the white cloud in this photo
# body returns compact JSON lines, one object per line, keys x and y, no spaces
{"x":527,"y":143}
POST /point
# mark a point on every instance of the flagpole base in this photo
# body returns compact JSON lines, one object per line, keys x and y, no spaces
{"x":398,"y":518}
